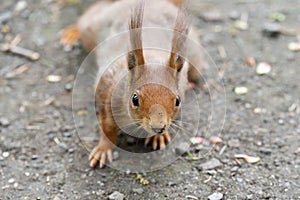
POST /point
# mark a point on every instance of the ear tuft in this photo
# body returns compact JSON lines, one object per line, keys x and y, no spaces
{"x":181,"y":30}
{"x":135,"y":56}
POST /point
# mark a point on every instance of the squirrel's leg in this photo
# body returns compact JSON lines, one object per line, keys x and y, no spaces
{"x":194,"y":75}
{"x":108,"y":138}
{"x":78,"y":32}
{"x":177,"y":2}
{"x":69,"y":36}
{"x":159,"y":140}
{"x":86,"y":27}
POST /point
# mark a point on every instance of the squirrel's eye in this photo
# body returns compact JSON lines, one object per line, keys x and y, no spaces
{"x":135,"y":100}
{"x":178,"y":101}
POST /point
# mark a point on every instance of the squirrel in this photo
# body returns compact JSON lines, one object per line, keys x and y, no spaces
{"x":155,"y":85}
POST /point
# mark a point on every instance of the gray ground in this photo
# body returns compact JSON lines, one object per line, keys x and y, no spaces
{"x":42,"y":158}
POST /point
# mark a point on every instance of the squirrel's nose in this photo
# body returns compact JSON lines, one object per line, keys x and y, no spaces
{"x":158,"y":130}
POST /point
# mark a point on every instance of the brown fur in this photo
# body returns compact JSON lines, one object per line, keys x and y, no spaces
{"x":157,"y":84}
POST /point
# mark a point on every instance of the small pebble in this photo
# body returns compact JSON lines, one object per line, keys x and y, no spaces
{"x":115,"y":155}
{"x":250,"y":61}
{"x":248,"y":105}
{"x":181,"y":148}
{"x":215,"y":196}
{"x":171,"y":184}
{"x":4,"y":122}
{"x":131,"y":140}
{"x":241,"y":25}
{"x":53,"y":78}
{"x":116,"y":196}
{"x":234,"y":169}
{"x":21,"y":5}
{"x":259,"y":110}
{"x":67,"y":48}
{"x":55,"y":114}
{"x":197,"y":140}
{"x":271,"y":29}
{"x":212,"y":15}
{"x":240,"y":90}
{"x":68,"y":87}
{"x":235,"y":143}
{"x":153,"y":180}
{"x":57,"y":197}
{"x":34,"y":157}
{"x":263,"y":68}
{"x":63,"y":145}
{"x":16,"y":185}
{"x":265,"y":151}
{"x":280,"y":121}
{"x":234,"y":15}
{"x":5,"y":17}
{"x":11,"y":180}
{"x":81,"y":124}
{"x":101,"y":184}
{"x":67,"y":134}
{"x":138,"y":190}
{"x":211,"y":164}
{"x":294,"y":46}
{"x":215,"y":140}
{"x":5,"y":154}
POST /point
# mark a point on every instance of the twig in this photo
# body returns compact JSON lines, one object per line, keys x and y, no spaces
{"x":20,"y":51}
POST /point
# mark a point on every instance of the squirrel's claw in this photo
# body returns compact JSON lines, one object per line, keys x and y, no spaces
{"x":160,"y":140}
{"x":100,"y":155}
{"x":69,"y":36}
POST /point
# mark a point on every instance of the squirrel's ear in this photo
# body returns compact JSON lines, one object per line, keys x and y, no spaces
{"x":181,"y":30}
{"x":135,"y":56}
{"x":176,"y":61}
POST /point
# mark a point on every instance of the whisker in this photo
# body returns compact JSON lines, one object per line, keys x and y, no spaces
{"x":184,"y":130}
{"x":180,"y":121}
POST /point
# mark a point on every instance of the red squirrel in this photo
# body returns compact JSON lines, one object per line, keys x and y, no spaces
{"x":153,"y":93}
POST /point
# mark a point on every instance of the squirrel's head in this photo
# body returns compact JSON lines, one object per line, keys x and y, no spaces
{"x":154,"y":106}
{"x":154,"y":92}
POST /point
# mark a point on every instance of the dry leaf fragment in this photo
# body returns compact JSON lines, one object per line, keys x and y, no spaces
{"x":215,"y":140}
{"x":248,"y":159}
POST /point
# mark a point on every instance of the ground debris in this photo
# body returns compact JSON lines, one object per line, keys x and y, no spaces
{"x":215,"y":196}
{"x":138,"y":190}
{"x":248,"y":159}
{"x":294,"y":46}
{"x":142,"y":180}
{"x":240,"y":90}
{"x":250,"y":61}
{"x":53,"y":78}
{"x":215,"y":140}
{"x":271,"y":29}
{"x":211,"y":164}
{"x":32,"y":55}
{"x":5,"y":17}
{"x":263,"y":68}
{"x":4,"y":122}
{"x":116,"y":196}
{"x":277,"y":16}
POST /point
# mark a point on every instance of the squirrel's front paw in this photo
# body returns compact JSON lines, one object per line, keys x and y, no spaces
{"x":99,"y":154}
{"x":162,"y":140}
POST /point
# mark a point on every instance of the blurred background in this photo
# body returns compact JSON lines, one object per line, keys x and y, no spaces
{"x":255,"y":45}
